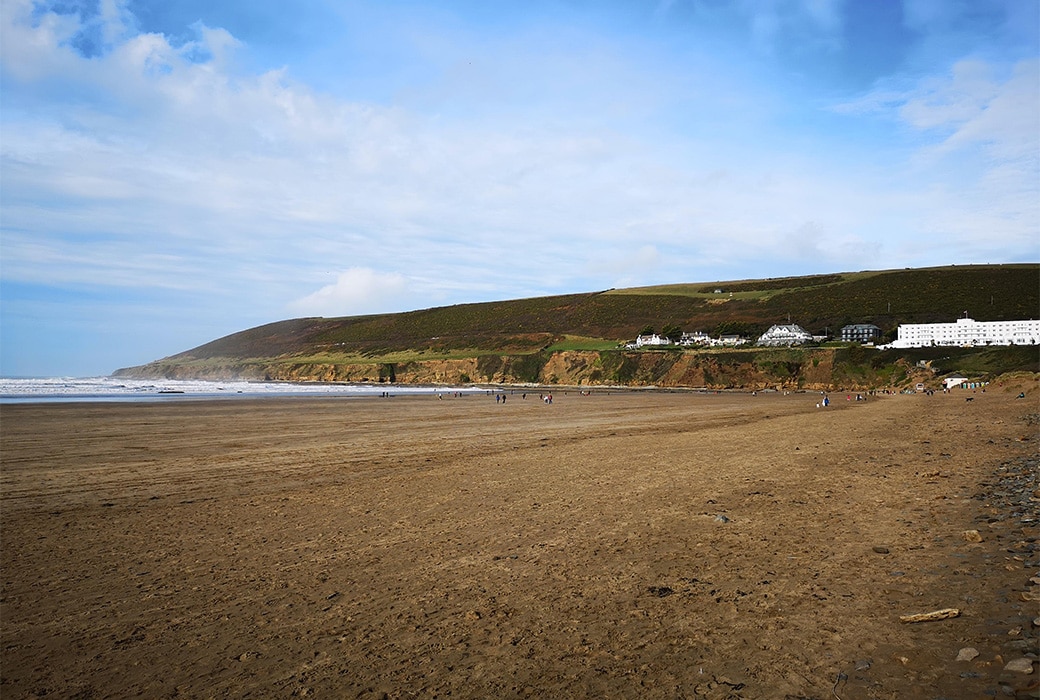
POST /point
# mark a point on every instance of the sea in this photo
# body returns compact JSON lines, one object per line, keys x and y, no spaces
{"x":83,"y":389}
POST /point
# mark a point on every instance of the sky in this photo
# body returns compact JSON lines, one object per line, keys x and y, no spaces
{"x":172,"y":171}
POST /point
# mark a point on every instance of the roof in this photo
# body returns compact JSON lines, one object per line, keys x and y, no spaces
{"x":789,"y":327}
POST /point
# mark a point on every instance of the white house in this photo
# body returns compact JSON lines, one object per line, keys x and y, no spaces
{"x":967,"y":332}
{"x":787,"y":334}
{"x":695,"y":338}
{"x":687,"y":340}
{"x":954,"y":380}
{"x":644,"y":340}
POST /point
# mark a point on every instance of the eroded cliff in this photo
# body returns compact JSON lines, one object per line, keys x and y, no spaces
{"x":814,"y":369}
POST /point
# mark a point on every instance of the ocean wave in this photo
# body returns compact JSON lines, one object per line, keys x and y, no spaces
{"x":114,"y":389}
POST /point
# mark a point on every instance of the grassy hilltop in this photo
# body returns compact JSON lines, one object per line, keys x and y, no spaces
{"x":520,"y":340}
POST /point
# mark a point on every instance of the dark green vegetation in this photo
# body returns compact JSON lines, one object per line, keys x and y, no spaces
{"x":516,"y":338}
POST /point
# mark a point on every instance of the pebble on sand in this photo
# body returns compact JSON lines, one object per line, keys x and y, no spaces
{"x":971,"y":536}
{"x":1022,"y":665}
{"x":967,"y":654}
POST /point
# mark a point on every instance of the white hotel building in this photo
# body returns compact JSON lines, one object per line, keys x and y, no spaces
{"x":967,"y":332}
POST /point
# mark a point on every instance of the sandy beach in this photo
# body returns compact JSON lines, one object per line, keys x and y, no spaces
{"x":632,"y":545}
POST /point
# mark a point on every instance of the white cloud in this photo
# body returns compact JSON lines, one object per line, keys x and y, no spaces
{"x":969,"y":183}
{"x":182,"y":158}
{"x":973,"y":106}
{"x":355,"y":292}
{"x":975,"y":103}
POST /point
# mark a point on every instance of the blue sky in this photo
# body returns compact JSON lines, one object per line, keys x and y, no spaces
{"x":171,"y":172}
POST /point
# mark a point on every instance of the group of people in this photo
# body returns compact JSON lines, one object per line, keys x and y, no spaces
{"x":825,"y":401}
{"x":546,"y":398}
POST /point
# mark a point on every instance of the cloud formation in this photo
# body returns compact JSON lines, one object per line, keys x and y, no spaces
{"x":355,"y":292}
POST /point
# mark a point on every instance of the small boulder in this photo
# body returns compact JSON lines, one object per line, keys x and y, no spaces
{"x":971,"y":536}
{"x":1022,"y":665}
{"x":967,"y":654}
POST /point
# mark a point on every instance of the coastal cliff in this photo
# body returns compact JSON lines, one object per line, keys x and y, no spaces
{"x":812,"y":369}
{"x":578,"y":339}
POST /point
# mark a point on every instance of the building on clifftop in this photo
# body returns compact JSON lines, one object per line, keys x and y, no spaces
{"x":967,"y":332}
{"x":860,"y":333}
{"x":785,"y":334}
{"x":649,"y":340}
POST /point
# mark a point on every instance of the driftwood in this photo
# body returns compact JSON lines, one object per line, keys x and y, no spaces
{"x":929,"y":616}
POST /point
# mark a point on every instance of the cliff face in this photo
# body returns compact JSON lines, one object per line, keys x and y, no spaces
{"x":781,"y":369}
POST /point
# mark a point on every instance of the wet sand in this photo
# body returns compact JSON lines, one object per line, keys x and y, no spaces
{"x":636,"y":545}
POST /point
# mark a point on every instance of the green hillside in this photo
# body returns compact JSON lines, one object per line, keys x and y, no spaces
{"x":537,"y":328}
{"x":819,"y":304}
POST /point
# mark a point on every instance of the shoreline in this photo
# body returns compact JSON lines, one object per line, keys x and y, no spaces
{"x":179,"y":390}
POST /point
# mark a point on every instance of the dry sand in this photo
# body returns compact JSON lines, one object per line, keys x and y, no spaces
{"x":635,"y":545}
